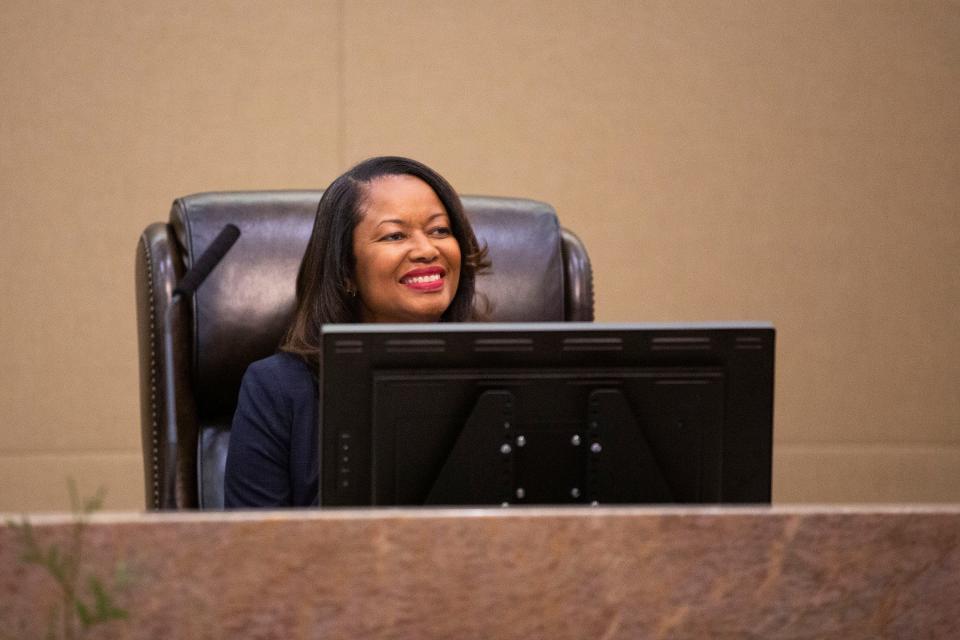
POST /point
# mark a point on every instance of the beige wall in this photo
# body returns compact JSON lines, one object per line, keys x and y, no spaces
{"x":792,"y":162}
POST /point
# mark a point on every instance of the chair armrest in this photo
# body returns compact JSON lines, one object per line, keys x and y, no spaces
{"x":158,"y":268}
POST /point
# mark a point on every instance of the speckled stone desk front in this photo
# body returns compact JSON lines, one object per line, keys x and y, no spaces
{"x":517,"y":573}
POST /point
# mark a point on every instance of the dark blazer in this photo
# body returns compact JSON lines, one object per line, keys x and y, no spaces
{"x":272,"y":460}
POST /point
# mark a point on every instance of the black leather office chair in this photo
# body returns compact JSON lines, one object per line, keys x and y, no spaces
{"x":541,"y":272}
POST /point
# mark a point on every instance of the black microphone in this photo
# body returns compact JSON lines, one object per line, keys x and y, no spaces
{"x":191,"y":281}
{"x":195,"y":276}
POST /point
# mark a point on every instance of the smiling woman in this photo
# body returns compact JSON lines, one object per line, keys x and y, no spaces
{"x":407,"y":259}
{"x":390,"y":243}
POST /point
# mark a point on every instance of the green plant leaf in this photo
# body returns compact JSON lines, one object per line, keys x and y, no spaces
{"x":105,"y":609}
{"x":86,"y":618}
{"x":30,"y":551}
{"x":65,"y":565}
{"x":122,"y":575}
{"x":55,"y":564}
{"x":95,"y":502}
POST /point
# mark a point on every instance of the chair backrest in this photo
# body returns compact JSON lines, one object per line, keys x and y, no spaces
{"x":540,"y":272}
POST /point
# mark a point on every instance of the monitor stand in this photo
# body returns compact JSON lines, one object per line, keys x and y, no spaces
{"x":603,"y":457}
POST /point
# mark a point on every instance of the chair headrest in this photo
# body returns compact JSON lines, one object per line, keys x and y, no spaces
{"x":239,"y":314}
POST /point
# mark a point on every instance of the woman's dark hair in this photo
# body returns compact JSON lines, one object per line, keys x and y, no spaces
{"x":328,"y":264}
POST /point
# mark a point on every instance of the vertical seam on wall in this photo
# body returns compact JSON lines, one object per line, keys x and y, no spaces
{"x":341,"y":86}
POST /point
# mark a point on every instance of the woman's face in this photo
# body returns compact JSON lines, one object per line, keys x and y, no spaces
{"x":408,"y":261}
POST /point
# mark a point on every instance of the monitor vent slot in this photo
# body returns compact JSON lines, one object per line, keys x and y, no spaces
{"x":348,"y":346}
{"x":510,"y":345}
{"x":696,"y":343}
{"x":416,"y":345}
{"x":750,"y":343}
{"x":593,"y":344}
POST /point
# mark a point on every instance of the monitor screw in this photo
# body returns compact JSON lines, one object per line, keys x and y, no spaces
{"x":520,"y":493}
{"x":521,"y":440}
{"x":575,"y":492}
{"x":505,"y":448}
{"x":596,"y":448}
{"x":575,"y":440}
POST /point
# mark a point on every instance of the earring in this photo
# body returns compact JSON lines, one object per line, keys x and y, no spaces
{"x":351,"y":291}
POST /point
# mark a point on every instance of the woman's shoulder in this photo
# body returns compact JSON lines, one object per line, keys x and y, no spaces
{"x":281,"y":370}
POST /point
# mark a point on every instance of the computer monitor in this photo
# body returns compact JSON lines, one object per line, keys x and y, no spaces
{"x":545,"y":413}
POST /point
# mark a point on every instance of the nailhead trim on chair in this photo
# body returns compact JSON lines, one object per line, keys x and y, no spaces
{"x":154,"y":431}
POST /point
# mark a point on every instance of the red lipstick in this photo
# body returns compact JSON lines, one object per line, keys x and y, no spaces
{"x":424,"y":279}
